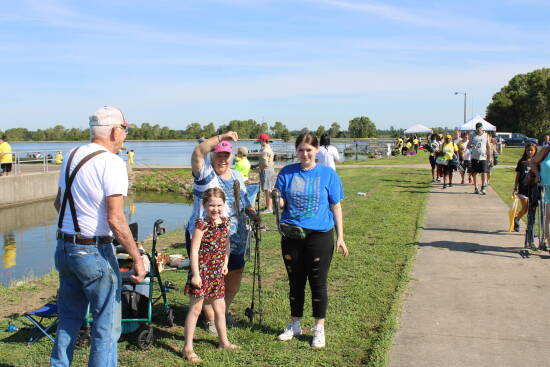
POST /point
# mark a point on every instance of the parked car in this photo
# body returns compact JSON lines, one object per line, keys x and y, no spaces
{"x":519,"y":140}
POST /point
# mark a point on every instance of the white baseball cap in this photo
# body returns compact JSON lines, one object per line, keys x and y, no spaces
{"x":107,"y":116}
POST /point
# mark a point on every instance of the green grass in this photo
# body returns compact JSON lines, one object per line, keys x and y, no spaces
{"x":365,"y":290}
{"x":510,"y":156}
{"x":420,"y":158}
{"x":178,"y":181}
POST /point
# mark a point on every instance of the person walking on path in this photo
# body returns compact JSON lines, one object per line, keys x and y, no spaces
{"x":209,"y":260}
{"x":465,"y":159}
{"x":93,"y":181}
{"x":448,"y":156}
{"x":210,"y":165}
{"x":482,"y":154}
{"x":131,"y":155}
{"x":328,"y":154}
{"x":6,"y":159}
{"x":521,"y":188}
{"x":267,"y":171}
{"x":310,"y":195}
{"x":242,"y":164}
{"x":434,"y":150}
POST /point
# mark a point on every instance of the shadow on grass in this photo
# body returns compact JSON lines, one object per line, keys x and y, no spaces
{"x":512,"y":252}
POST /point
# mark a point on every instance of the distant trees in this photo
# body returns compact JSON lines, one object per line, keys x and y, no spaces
{"x":523,"y":105}
{"x":359,"y":127}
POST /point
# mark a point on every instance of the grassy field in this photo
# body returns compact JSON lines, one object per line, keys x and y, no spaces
{"x":365,"y":290}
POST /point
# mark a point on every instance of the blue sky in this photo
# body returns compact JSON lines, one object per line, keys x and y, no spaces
{"x":302,"y":62}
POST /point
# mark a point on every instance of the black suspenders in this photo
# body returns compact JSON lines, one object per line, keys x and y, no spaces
{"x":67,"y":195}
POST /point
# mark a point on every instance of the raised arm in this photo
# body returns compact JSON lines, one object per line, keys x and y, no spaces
{"x":201,"y":151}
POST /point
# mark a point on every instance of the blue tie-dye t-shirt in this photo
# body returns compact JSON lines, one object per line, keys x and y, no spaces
{"x":308,"y":196}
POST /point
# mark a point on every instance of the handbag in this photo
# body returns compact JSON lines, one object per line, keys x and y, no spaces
{"x":294,"y":232}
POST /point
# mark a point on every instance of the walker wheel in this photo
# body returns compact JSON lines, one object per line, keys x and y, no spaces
{"x":170,"y":317}
{"x":145,"y":338}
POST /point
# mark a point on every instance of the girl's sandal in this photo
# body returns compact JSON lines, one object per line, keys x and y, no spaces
{"x":192,"y":357}
{"x":229,"y":347}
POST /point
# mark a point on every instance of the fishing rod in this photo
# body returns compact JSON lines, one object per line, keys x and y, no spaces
{"x":251,"y":312}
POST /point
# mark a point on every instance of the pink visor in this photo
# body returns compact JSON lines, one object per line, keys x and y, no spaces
{"x":223,"y":146}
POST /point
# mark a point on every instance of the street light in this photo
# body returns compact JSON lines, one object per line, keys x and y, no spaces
{"x":457,"y":93}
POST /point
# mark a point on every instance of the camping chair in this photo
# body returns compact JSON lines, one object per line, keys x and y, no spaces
{"x":40,"y":330}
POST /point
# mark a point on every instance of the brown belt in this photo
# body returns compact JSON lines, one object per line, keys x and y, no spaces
{"x":99,"y":240}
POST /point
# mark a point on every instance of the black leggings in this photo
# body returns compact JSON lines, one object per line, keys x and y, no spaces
{"x":308,"y":259}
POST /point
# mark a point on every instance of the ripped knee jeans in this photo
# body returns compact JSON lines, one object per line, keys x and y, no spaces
{"x":308,"y":259}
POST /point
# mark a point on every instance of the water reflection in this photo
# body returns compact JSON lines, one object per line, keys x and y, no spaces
{"x":27,"y":232}
{"x":10,"y":251}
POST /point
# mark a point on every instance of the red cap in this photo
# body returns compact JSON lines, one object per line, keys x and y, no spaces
{"x":263,"y":137}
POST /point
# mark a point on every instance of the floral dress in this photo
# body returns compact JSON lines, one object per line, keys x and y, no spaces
{"x":212,"y":253}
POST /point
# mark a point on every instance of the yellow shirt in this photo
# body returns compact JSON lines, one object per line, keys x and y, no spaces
{"x":449,"y":150}
{"x":242,"y":165}
{"x":5,"y":153}
{"x":131,"y":157}
{"x":58,"y":158}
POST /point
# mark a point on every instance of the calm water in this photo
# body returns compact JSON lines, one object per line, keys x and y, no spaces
{"x":167,"y":152}
{"x":27,"y":232}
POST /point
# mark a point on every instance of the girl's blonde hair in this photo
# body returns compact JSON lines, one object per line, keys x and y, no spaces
{"x":214,"y":192}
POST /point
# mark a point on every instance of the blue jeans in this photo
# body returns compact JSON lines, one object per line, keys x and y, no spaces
{"x":87,"y":275}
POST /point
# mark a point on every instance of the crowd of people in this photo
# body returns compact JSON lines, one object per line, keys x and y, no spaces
{"x":472,"y":155}
{"x":408,"y":145}
{"x":93,"y":181}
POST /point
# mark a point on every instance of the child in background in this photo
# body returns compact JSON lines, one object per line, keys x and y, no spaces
{"x":209,"y":257}
{"x":466,"y":159}
{"x":242,"y":164}
{"x":520,"y":188}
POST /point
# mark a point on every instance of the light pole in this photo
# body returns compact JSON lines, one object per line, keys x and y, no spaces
{"x":457,"y":93}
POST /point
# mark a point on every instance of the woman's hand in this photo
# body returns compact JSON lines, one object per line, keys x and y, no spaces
{"x":225,"y":270}
{"x":196,"y":281}
{"x":340,"y":244}
{"x":229,"y":136}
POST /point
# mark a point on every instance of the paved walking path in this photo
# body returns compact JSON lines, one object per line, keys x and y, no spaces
{"x":472,"y":299}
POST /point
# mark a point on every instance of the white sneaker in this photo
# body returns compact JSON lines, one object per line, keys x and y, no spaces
{"x":293,"y":329}
{"x":318,"y":337}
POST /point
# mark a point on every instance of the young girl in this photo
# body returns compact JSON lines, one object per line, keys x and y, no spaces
{"x":520,"y":188}
{"x":209,"y":256}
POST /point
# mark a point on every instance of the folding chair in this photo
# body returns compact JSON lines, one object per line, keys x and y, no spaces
{"x":40,"y":330}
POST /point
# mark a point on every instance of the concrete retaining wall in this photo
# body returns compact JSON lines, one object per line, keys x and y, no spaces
{"x":22,"y":189}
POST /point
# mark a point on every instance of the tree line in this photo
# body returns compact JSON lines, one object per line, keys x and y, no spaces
{"x":359,"y":127}
{"x":523,"y":105}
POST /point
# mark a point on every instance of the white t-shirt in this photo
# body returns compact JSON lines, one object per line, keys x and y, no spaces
{"x":327,"y":156}
{"x":466,"y":153}
{"x":479,"y":146}
{"x":103,"y":175}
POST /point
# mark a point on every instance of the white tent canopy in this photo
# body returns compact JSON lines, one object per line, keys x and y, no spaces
{"x":471,"y":125}
{"x":418,"y":129}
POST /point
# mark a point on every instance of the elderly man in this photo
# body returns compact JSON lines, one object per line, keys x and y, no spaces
{"x":93,"y":182}
{"x":214,"y":171}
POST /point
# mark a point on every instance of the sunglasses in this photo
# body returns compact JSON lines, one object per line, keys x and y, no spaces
{"x":123,"y":127}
